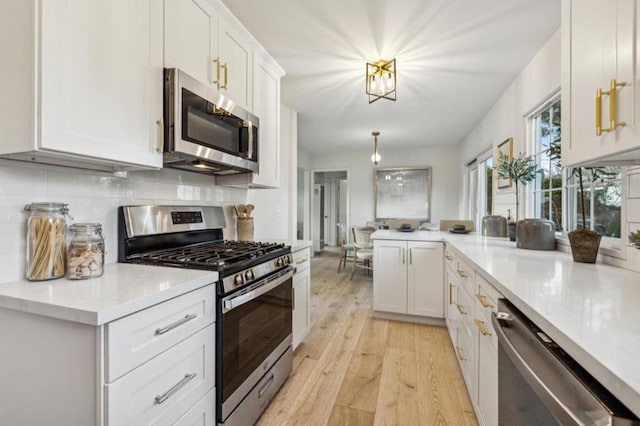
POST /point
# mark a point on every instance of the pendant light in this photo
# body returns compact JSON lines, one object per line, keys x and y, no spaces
{"x":375,"y":157}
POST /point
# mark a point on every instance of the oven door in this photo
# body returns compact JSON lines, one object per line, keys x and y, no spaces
{"x":254,"y":330}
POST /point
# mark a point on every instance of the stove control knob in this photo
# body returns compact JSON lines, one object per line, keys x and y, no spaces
{"x":288,"y":259}
{"x":238,"y":280}
{"x":279,"y":261}
{"x":248,"y":276}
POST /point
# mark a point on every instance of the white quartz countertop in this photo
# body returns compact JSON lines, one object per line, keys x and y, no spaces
{"x":296,"y":245}
{"x":591,"y":310}
{"x":122,"y":289}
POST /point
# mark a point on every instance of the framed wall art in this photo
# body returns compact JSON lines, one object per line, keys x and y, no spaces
{"x":505,"y":148}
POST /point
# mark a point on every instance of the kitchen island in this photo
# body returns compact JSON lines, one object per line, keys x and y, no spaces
{"x":591,"y":310}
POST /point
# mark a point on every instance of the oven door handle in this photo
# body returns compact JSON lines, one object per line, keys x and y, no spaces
{"x":233,"y":302}
{"x":560,"y":411}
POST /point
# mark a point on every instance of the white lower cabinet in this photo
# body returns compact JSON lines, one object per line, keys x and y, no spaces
{"x":301,"y":316}
{"x":64,"y":366}
{"x":407,"y":277}
{"x":163,"y":389}
{"x":471,"y":300}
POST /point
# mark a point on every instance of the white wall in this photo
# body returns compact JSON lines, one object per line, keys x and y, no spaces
{"x":444,"y":161}
{"x":95,"y":197}
{"x":539,"y":80}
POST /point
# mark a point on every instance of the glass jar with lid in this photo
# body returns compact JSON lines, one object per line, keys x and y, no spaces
{"x":46,"y":233}
{"x":85,"y":257}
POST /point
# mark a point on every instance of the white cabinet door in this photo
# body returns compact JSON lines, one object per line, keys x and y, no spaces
{"x":598,"y":47}
{"x":190,"y":39}
{"x":101,"y":79}
{"x":301,"y":316}
{"x":487,"y":374}
{"x":390,"y":276}
{"x":235,"y":55}
{"x":425,"y":294}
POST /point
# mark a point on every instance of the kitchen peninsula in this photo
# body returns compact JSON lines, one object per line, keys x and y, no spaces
{"x":590,"y":310}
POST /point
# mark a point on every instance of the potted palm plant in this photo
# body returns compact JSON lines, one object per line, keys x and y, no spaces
{"x":521,"y":170}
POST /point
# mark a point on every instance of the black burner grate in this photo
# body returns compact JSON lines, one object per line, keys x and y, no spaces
{"x":212,"y":255}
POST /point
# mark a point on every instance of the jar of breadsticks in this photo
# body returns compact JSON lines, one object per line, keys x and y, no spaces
{"x":46,"y":232}
{"x":86,"y":251}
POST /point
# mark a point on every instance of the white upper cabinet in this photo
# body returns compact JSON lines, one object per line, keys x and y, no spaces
{"x":600,"y":101}
{"x":212,"y":49}
{"x":190,"y":38}
{"x":266,"y":105}
{"x":85,"y":83}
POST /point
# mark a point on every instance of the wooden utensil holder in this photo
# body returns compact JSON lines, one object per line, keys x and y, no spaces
{"x":245,"y":229}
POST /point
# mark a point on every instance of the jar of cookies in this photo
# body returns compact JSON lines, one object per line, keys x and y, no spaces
{"x":85,"y":258}
{"x":46,"y":233}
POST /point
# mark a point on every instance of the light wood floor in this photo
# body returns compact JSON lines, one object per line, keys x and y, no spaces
{"x":353,"y":369}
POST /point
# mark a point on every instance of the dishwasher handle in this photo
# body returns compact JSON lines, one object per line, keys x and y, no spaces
{"x":561,"y":412}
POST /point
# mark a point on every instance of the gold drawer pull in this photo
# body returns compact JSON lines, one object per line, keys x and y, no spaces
{"x":448,"y":257}
{"x":461,"y":309}
{"x":459,"y":353}
{"x":480,"y":325}
{"x":483,"y":300}
{"x":450,"y":293}
{"x":300,"y":262}
{"x":462,"y":273}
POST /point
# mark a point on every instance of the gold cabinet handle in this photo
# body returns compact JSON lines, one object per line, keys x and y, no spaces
{"x":483,"y":300}
{"x":450,"y":293}
{"x":217,"y":80}
{"x":613,"y":104}
{"x":448,"y":257}
{"x":301,"y":261}
{"x":225,"y":67}
{"x":462,"y":273}
{"x":160,"y":142}
{"x":480,"y":325}
{"x":459,"y":353}
{"x":613,"y":107}
{"x":461,"y":309}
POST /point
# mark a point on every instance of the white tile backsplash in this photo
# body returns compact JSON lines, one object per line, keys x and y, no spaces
{"x":95,"y":197}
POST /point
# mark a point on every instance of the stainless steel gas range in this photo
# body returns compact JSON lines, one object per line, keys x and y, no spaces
{"x":254,"y":297}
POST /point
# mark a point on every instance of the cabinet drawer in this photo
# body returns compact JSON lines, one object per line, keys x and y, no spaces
{"x":165,"y":388}
{"x":302,"y":259}
{"x":486,"y":294}
{"x":449,"y":257}
{"x":201,"y":414}
{"x":464,"y":305}
{"x":466,"y":275}
{"x":132,"y":340}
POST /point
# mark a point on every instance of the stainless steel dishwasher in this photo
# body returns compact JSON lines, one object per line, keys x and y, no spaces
{"x":540,"y":384}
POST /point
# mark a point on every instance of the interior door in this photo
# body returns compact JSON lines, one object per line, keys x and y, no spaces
{"x":316,"y":217}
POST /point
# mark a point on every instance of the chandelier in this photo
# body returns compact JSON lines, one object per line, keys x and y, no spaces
{"x":381,"y":80}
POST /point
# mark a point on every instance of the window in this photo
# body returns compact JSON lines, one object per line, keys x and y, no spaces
{"x":480,"y":173}
{"x":547,"y":188}
{"x":556,"y":191}
{"x":602,"y":199}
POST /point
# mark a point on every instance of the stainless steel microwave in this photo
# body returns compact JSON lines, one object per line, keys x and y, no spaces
{"x":204,"y":131}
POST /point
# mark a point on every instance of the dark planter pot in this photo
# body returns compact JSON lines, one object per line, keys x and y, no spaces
{"x":584,"y":245}
{"x":511,"y":230}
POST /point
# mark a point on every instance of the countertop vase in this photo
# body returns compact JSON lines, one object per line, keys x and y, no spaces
{"x":584,"y":245}
{"x":511,"y":230}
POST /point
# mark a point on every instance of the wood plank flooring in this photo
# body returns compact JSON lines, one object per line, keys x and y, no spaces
{"x":353,"y":369}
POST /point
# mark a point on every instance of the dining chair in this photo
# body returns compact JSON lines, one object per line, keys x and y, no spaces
{"x":363,"y":248}
{"x":346,"y":248}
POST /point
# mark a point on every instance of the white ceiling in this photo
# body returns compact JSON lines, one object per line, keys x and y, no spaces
{"x":454,"y":60}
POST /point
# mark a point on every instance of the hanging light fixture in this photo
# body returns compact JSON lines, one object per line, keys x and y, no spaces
{"x":381,"y":80}
{"x":375,"y":157}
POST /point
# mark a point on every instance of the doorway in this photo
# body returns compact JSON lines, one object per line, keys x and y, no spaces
{"x":329,"y":208}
